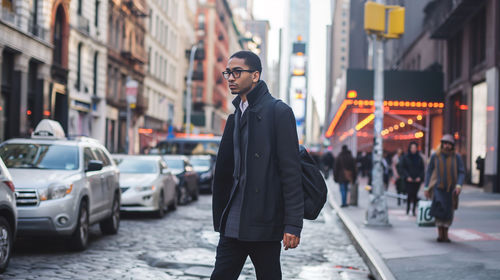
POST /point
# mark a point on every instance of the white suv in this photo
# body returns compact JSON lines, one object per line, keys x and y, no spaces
{"x":62,"y":186}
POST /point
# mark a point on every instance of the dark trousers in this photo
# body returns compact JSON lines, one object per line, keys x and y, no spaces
{"x":412,"y":189}
{"x":232,"y":254}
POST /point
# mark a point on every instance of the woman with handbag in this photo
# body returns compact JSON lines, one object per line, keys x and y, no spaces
{"x":443,"y":182}
{"x":344,"y":172}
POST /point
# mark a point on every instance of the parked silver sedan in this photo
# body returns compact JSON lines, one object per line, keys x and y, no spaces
{"x":147,"y":184}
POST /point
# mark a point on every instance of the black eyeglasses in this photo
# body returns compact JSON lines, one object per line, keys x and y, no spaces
{"x":236,"y":73}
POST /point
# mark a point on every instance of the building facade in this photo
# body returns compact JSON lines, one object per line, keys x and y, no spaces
{"x":469,"y":48}
{"x":87,"y":68}
{"x":170,"y":32}
{"x":259,"y":31}
{"x":211,"y":103}
{"x":125,"y":96}
{"x":34,"y":64}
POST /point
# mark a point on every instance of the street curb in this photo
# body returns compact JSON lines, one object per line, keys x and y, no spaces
{"x":376,"y":264}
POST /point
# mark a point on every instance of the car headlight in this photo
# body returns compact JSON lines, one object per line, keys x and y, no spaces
{"x":206,"y":175}
{"x":144,"y":189}
{"x":55,"y":191}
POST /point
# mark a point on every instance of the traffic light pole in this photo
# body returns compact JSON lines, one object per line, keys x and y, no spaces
{"x":376,"y":214}
{"x":188,"y":84}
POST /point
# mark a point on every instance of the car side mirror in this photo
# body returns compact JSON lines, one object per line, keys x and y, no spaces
{"x":94,"y":165}
{"x":165,"y":171}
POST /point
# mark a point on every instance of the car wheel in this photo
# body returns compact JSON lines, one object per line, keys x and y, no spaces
{"x":112,"y":224}
{"x":173,"y":204}
{"x":161,"y":206}
{"x":6,"y":242}
{"x":80,"y":238}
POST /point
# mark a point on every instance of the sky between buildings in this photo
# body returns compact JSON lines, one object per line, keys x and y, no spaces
{"x":274,"y":12}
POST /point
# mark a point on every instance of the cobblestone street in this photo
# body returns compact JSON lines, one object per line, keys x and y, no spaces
{"x":181,"y":246}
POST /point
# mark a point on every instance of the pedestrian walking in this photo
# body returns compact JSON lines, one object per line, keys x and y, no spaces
{"x":443,"y":183}
{"x":258,"y":199}
{"x":344,"y":172}
{"x":396,"y":170}
{"x":413,"y":172}
{"x":386,"y":169}
{"x":327,"y":161}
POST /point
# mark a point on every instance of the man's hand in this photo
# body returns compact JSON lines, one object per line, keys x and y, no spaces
{"x":290,"y":241}
{"x":458,"y":190}
{"x":418,"y":180}
{"x":409,"y":179}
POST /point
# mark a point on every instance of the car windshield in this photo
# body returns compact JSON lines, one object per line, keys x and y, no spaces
{"x":40,"y":156}
{"x":175,"y":163}
{"x":200,"y":162}
{"x":136,"y":166}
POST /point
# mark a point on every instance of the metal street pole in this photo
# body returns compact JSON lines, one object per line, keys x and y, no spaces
{"x":189,"y":83}
{"x":376,"y":214}
{"x":127,"y":135}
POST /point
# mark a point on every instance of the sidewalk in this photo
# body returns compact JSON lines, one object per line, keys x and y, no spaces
{"x":406,"y":251}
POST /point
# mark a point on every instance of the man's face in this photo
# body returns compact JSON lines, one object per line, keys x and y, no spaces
{"x":447,"y":146}
{"x":413,"y":148}
{"x":246,"y":80}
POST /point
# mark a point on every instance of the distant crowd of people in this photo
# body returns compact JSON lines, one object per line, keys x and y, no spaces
{"x":443,"y":178}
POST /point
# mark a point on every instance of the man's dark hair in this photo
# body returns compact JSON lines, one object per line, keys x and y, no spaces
{"x":251,"y":60}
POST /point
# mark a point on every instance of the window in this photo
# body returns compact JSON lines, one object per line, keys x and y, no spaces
{"x":117,"y":34}
{"x":160,"y":71}
{"x":455,"y":57}
{"x":201,"y":21}
{"x":8,"y":5}
{"x":165,"y":79}
{"x":166,"y":36}
{"x":458,"y":126}
{"x":96,"y":20}
{"x":33,"y":8}
{"x":149,"y":60}
{"x":171,"y":112}
{"x":96,"y":56}
{"x":110,"y":29}
{"x":79,"y":8}
{"x":109,"y":79}
{"x":88,"y":155}
{"x":79,"y":68}
{"x":58,"y":35}
{"x":199,"y":92}
{"x":40,"y":156}
{"x":478,"y":38}
{"x":156,"y":65}
{"x":102,"y":156}
{"x":157,"y":27}
{"x":150,"y":20}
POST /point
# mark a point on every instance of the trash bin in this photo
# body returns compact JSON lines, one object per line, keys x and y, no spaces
{"x":353,"y":200}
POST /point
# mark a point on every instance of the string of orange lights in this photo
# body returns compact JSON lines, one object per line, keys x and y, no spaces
{"x":388,"y":108}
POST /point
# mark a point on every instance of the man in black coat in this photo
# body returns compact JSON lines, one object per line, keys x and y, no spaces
{"x":257,"y":190}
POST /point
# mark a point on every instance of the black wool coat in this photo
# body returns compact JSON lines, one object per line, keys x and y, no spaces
{"x":273,"y":195}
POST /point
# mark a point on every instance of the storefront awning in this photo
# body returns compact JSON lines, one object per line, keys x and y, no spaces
{"x":405,"y":92}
